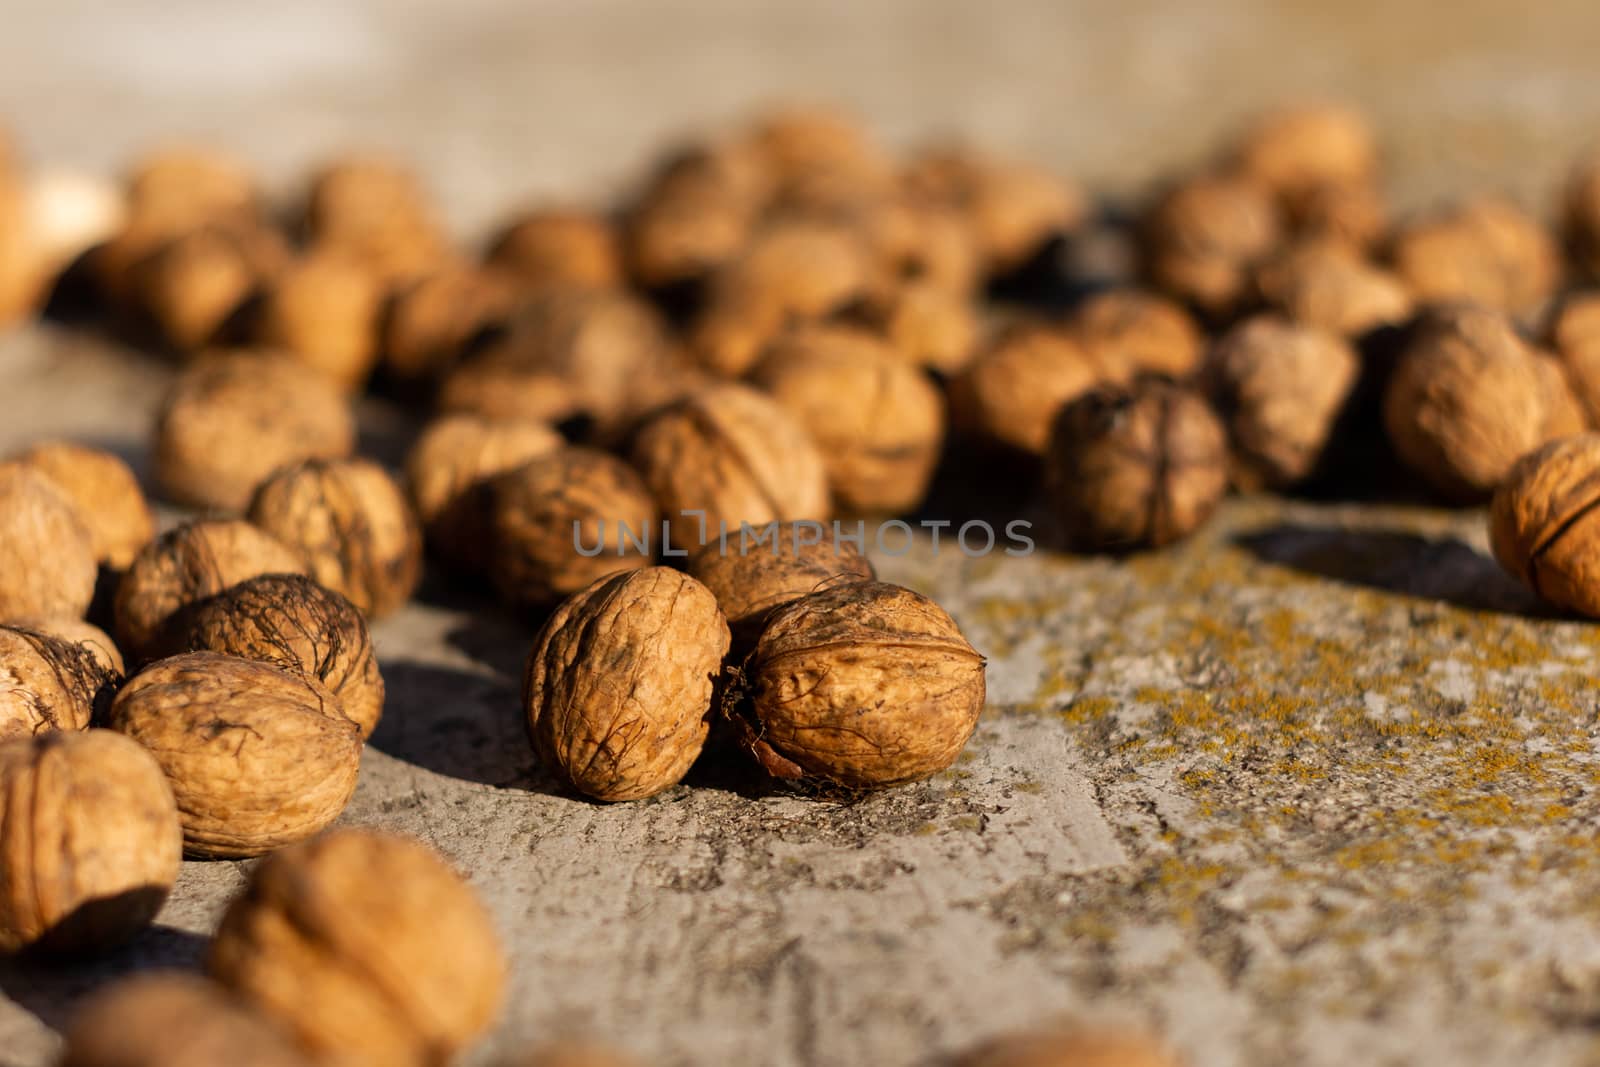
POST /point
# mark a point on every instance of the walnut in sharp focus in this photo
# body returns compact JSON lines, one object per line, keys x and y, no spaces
{"x":561,"y":521}
{"x":1134,"y":467}
{"x":1129,"y":332}
{"x":187,"y":564}
{"x":1542,"y":522}
{"x":105,"y":492}
{"x":861,"y":685}
{"x":367,"y":947}
{"x":559,"y":247}
{"x":89,"y":637}
{"x":618,"y":688}
{"x":47,"y":556}
{"x":323,"y":309}
{"x":351,"y":523}
{"x":1205,"y":237}
{"x":1485,"y":250}
{"x":1012,"y":391}
{"x":725,"y":456}
{"x":49,"y":683}
{"x":89,"y":841}
{"x":232,"y":419}
{"x":258,"y":756}
{"x":290,"y":621}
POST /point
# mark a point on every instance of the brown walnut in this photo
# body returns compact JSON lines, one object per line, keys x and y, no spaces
{"x":376,"y":211}
{"x":429,"y":324}
{"x":1575,"y":334}
{"x":367,"y":947}
{"x":352,"y":524}
{"x":1012,"y":208}
{"x":1354,"y":214}
{"x":1544,"y":522}
{"x":1581,"y":215}
{"x":105,"y":492}
{"x":1012,"y":391}
{"x":1129,"y":332}
{"x":191,"y":287}
{"x":91,"y":638}
{"x":618,"y":688}
{"x":565,"y":248}
{"x":323,"y":309}
{"x":1327,"y":285}
{"x":573,"y":1053}
{"x":1205,"y":237}
{"x":1046,"y":1048}
{"x":194,"y":185}
{"x":695,"y":213}
{"x":89,"y":841}
{"x":258,"y":756}
{"x":49,"y":683}
{"x":1485,"y":250}
{"x":924,"y":322}
{"x":47,"y":556}
{"x":1134,"y":467}
{"x":1301,"y":148}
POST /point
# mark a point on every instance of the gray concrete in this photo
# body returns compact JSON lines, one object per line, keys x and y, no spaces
{"x":1318,"y":787}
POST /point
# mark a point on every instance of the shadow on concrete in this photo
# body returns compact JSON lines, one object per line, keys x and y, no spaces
{"x":52,"y":988}
{"x":1396,"y":561}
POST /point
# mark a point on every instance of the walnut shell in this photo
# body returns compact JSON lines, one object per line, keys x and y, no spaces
{"x":1204,"y":238}
{"x":1299,"y":148}
{"x":1066,"y":1049}
{"x":862,"y":685}
{"x":106,"y":494}
{"x":323,"y":309}
{"x":1576,"y":336}
{"x":1466,"y":401}
{"x":925,"y":322}
{"x":752,"y":578}
{"x":1280,"y":388}
{"x":376,"y":211}
{"x":186,"y":564}
{"x":878,"y":421}
{"x":192,"y":286}
{"x":695,"y":213}
{"x":173,"y":1020}
{"x":1327,"y":285}
{"x":91,"y":638}
{"x":191,"y":186}
{"x":618,"y":687}
{"x":1486,"y":250}
{"x":1013,"y":208}
{"x":1354,"y":214}
{"x":1130,"y":467}
{"x":802,"y":267}
{"x":734,"y":454}
{"x":1128,"y":332}
{"x":430,"y":323}
{"x":49,"y":683}
{"x":367,"y":947}
{"x":448,"y":472}
{"x":1581,"y":214}
{"x":47,"y":557}
{"x":548,"y":513}
{"x":1542,"y":522}
{"x":89,"y":841}
{"x":353,"y":525}
{"x":258,"y":756}
{"x":1012,"y":391}
{"x":290,"y":621}
{"x":230,"y":421}
{"x":561,"y":248}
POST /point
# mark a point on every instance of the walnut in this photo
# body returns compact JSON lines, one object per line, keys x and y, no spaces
{"x":734,"y":455}
{"x":448,"y":472}
{"x":861,"y":685}
{"x":1205,"y":237}
{"x":563,"y":520}
{"x":49,"y":683}
{"x":1280,"y":388}
{"x":1048,"y":1048}
{"x":1575,"y":333}
{"x":47,"y":556}
{"x":564,"y":248}
{"x":323,"y":309}
{"x":1356,"y":215}
{"x":184,"y":565}
{"x":1129,"y":332}
{"x":367,"y":947}
{"x":796,"y":142}
{"x":89,"y":637}
{"x":89,"y":841}
{"x":1327,"y":285}
{"x":192,"y":185}
{"x":191,"y":288}
{"x":696,"y":213}
{"x":878,"y":421}
{"x":1012,"y":391}
{"x":753,"y":575}
{"x":173,"y":1020}
{"x":104,"y":491}
{"x":1486,"y":250}
{"x":233,"y":419}
{"x":258,"y":756}
{"x":1581,"y":215}
{"x":431,"y":324}
{"x":1542,"y":522}
{"x":661,"y":634}
{"x":925,"y":322}
{"x":1014,"y":209}
{"x":1131,"y":467}
{"x":572,"y":1053}
{"x":290,"y":621}
{"x":1467,"y":399}
{"x":353,"y":525}
{"x":1301,"y":148}
{"x":376,"y":211}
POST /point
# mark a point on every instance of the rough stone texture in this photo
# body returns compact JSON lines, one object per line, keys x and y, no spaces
{"x":1318,"y":787}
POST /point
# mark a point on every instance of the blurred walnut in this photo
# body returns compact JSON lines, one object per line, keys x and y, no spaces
{"x":696,"y":213}
{"x":258,"y":756}
{"x":290,"y":621}
{"x":1012,"y":391}
{"x":50,"y":683}
{"x":796,"y":143}
{"x":755,"y":572}
{"x":187,"y":564}
{"x":1581,"y":215}
{"x":1135,"y":467}
{"x":192,"y":287}
{"x":89,"y":841}
{"x":87,"y":636}
{"x":1354,"y":214}
{"x":1485,"y":250}
{"x":877,"y":420}
{"x":1205,"y":237}
{"x":353,"y":526}
{"x":430,"y":324}
{"x":725,"y":456}
{"x":323,"y":309}
{"x":448,"y":472}
{"x":377,"y":212}
{"x":561,"y":248}
{"x":1014,"y":209}
{"x":563,"y":520}
{"x":1565,"y":413}
{"x":1327,"y":285}
{"x":234,"y":418}
{"x":1280,"y":388}
{"x":105,"y":492}
{"x":192,"y":186}
{"x":573,"y":1054}
{"x":1466,"y":401}
{"x":663,"y":632}
{"x":1298,"y":149}
{"x":927,"y":323}
{"x":1575,"y":334}
{"x":1046,"y":1048}
{"x":1128,"y":332}
{"x":861,"y":685}
{"x":367,"y":947}
{"x":1542,"y":522}
{"x":47,"y":551}
{"x":172,"y":1020}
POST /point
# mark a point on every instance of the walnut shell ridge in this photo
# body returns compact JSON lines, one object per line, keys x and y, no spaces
{"x":1544,"y":522}
{"x":50,"y":683}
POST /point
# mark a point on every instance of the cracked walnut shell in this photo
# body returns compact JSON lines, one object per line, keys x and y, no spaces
{"x":49,"y":683}
{"x":47,"y":556}
{"x":618,"y":688}
{"x":1542,"y":522}
{"x":367,"y":947}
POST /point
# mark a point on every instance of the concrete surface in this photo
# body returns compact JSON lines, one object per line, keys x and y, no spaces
{"x":1319,"y":786}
